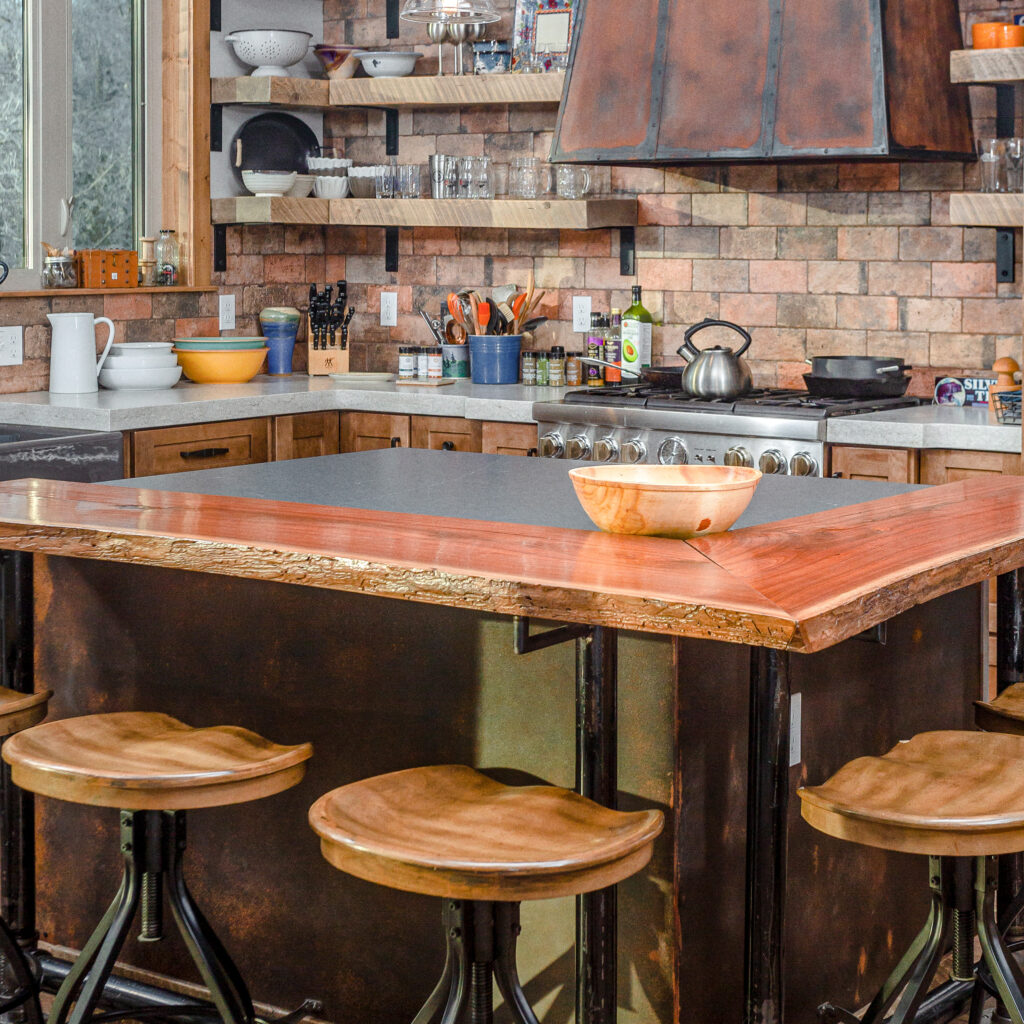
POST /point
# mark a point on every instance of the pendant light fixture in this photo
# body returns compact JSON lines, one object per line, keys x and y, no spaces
{"x":452,"y":12}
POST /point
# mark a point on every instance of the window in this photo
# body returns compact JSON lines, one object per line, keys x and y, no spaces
{"x":77,"y":131}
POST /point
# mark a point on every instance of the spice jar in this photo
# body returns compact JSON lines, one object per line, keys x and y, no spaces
{"x":556,"y":367}
{"x":422,"y":370}
{"x":167,"y":258}
{"x":530,"y":368}
{"x":573,"y":369}
{"x":59,"y":272}
{"x":406,"y":363}
{"x":543,"y":364}
{"x":435,"y":363}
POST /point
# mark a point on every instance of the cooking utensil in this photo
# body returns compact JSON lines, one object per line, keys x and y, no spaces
{"x":272,"y":142}
{"x":655,"y":376}
{"x":860,"y":367}
{"x":456,"y":308}
{"x":856,"y":387}
{"x":434,"y":326}
{"x":455,"y":332}
{"x":715,"y":372}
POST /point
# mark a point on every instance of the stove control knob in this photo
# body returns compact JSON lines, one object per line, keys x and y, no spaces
{"x":634,"y":451}
{"x":578,"y":447}
{"x":551,"y":446}
{"x":738,"y":456}
{"x":672,"y":452}
{"x":803,"y":464}
{"x":772,"y":461}
{"x":606,"y":450}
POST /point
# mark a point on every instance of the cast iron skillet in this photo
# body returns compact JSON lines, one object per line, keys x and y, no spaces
{"x":272,"y":142}
{"x":861,"y":367}
{"x":882,"y":386}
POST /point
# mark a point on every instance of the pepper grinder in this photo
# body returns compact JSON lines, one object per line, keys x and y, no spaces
{"x":1005,"y":368}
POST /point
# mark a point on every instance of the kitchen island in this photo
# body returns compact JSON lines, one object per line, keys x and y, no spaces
{"x":466,"y":541}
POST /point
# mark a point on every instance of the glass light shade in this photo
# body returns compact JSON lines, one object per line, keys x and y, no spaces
{"x":450,"y":11}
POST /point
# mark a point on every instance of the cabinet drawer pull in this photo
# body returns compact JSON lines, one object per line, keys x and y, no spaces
{"x":447,"y":446}
{"x":204,"y":453}
{"x":396,"y":442}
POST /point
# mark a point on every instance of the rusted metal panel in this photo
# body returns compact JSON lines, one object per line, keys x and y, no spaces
{"x":831,"y":83}
{"x":713,"y":99}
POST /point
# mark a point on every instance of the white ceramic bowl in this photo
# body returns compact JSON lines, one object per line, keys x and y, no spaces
{"x":132,"y":348}
{"x":363,"y":181}
{"x":388,"y":63}
{"x":269,"y":51}
{"x":141,"y":361}
{"x":328,"y":164}
{"x":302,"y":187}
{"x":331,"y":188}
{"x":664,"y":501}
{"x":268,"y":183}
{"x":147,"y":379}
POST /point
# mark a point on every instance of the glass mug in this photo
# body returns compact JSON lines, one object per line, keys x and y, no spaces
{"x":527,"y":178}
{"x":991,"y":165}
{"x":572,"y":182}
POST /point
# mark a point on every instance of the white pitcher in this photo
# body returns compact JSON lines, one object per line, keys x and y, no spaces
{"x":73,"y":366}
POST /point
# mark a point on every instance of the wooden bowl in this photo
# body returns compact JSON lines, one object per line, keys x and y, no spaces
{"x":664,"y":501}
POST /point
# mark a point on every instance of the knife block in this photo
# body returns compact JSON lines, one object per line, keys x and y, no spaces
{"x":322,"y":361}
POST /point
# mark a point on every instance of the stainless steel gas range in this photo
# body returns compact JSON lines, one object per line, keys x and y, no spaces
{"x":777,"y":430}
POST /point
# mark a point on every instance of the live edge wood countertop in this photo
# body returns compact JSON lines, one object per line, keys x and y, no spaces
{"x":800,"y":583}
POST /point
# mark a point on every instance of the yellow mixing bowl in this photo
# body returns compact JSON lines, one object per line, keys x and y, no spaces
{"x":221,"y":366}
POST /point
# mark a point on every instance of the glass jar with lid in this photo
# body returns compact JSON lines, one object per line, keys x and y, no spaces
{"x":59,"y":272}
{"x":167,"y":258}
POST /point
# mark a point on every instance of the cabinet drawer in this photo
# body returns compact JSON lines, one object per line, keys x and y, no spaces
{"x":446,"y":432}
{"x":305,"y":435}
{"x":364,"y":431}
{"x":200,"y":446}
{"x":508,"y":438}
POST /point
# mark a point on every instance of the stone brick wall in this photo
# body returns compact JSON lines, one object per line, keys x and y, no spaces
{"x":813,"y":258}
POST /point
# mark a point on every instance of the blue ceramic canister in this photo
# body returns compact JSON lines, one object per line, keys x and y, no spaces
{"x":280,"y":325}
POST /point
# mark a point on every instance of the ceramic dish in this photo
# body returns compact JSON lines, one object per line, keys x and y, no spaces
{"x":131,"y":348}
{"x":327,"y":187}
{"x":664,"y":501}
{"x":302,"y":187}
{"x":141,"y":361}
{"x":222,"y":367}
{"x":268,"y":183}
{"x":271,"y":51}
{"x":218,"y":344}
{"x":388,"y":63}
{"x":140,"y":379}
{"x":338,"y":61}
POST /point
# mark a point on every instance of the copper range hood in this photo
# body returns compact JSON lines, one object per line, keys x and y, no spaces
{"x":676,"y":81}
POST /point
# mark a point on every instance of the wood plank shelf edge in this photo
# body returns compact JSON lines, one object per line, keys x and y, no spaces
{"x":987,"y":209}
{"x":570,"y":214}
{"x":448,"y":90}
{"x":271,"y":91}
{"x":991,"y":67}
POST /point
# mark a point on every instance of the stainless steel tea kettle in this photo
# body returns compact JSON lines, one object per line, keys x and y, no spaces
{"x":716,"y":372}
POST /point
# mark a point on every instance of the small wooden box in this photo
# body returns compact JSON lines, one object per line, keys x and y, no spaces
{"x":323,"y":361}
{"x":107,"y":268}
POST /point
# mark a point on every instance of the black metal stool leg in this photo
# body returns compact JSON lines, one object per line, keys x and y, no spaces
{"x":451,"y":917}
{"x":506,"y":931}
{"x":84,"y":983}
{"x":227,"y":987}
{"x":1006,"y":974}
{"x":25,"y":989}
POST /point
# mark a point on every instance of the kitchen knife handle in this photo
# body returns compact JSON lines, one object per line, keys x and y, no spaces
{"x":204,"y":453}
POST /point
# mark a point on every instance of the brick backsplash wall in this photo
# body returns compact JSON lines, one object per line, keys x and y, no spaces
{"x":814,"y":258}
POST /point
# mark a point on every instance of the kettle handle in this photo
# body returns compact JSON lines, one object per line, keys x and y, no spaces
{"x":710,"y":322}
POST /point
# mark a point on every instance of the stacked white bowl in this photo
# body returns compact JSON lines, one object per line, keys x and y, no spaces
{"x":140,"y":366}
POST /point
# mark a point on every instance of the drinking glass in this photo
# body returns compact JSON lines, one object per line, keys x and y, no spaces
{"x":1013,"y":152}
{"x":572,"y":182}
{"x":444,"y":176}
{"x":526,"y":178}
{"x":464,"y":188}
{"x":482,"y":186}
{"x":385,"y":182}
{"x":409,"y":181}
{"x":991,"y":165}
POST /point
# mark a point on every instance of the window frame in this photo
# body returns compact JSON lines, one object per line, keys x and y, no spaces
{"x":48,"y":103}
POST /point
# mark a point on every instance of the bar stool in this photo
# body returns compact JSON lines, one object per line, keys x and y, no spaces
{"x":153,"y":768}
{"x":19,"y":711}
{"x":957,"y":797}
{"x":1004,"y":714}
{"x":484,"y":847}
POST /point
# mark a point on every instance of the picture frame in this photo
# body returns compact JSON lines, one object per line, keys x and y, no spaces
{"x":542,"y":34}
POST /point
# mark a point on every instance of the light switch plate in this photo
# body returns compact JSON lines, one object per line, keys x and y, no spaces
{"x":12,"y":350}
{"x":227,"y":312}
{"x":581,"y":306}
{"x":389,"y":309}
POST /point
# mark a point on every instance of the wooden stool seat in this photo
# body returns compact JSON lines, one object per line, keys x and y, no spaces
{"x":21,"y":710}
{"x":450,"y":831}
{"x":1004,"y":714}
{"x":139,"y":760}
{"x":945,"y":794}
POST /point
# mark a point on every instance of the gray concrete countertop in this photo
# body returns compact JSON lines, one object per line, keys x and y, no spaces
{"x":927,"y":426}
{"x":269,"y":396}
{"x":495,"y":488}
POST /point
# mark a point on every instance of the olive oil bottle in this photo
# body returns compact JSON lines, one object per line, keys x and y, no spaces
{"x":637,"y":328}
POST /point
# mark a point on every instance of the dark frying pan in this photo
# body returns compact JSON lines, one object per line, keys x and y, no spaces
{"x":656,"y":376}
{"x":861,"y":367}
{"x":882,"y":386}
{"x":272,"y":142}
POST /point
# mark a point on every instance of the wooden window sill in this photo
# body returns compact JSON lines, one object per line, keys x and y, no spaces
{"x":45,"y":293}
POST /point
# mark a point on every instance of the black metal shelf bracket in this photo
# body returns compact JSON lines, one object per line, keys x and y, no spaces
{"x":215,"y":18}
{"x":220,"y":248}
{"x":391,"y":131}
{"x":392,"y":19}
{"x":627,"y":252}
{"x":391,"y":250}
{"x":524,"y":643}
{"x":216,"y":127}
{"x":1006,"y":255}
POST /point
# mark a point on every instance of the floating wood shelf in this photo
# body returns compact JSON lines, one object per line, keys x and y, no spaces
{"x":270,"y":91}
{"x":987,"y":67}
{"x":987,"y":209}
{"x":575,"y":214}
{"x":448,"y":90}
{"x":418,"y":91}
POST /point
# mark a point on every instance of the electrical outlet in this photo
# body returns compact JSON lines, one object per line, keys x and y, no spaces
{"x":12,"y":351}
{"x":227,"y":312}
{"x":389,"y":309}
{"x":581,"y":306}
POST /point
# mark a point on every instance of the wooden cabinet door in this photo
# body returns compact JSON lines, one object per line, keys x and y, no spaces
{"x":943,"y":466}
{"x":364,"y":431}
{"x":508,"y":438}
{"x":200,"y":446}
{"x":306,"y":435}
{"x":896,"y":465}
{"x":451,"y":433}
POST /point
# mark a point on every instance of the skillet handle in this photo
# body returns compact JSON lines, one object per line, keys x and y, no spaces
{"x":710,"y":322}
